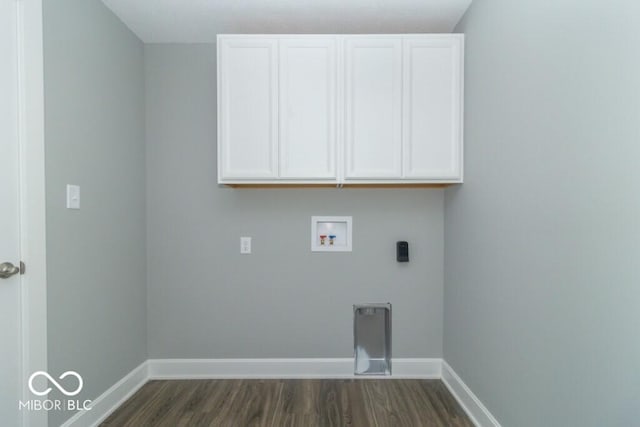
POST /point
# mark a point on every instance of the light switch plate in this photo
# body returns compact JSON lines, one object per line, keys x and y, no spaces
{"x":245,"y":245}
{"x":73,"y":196}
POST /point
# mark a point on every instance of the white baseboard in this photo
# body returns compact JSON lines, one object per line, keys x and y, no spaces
{"x":428,"y":369}
{"x":478,"y":413}
{"x":249,"y":368}
{"x":284,"y":368}
{"x":110,"y":400}
{"x":152,"y":369}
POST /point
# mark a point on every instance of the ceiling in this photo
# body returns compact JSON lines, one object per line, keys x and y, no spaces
{"x":198,"y":21}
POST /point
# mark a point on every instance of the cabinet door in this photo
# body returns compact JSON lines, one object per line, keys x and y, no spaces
{"x":247,"y":111}
{"x":432,"y":113}
{"x":308,"y":108}
{"x":373,"y":107}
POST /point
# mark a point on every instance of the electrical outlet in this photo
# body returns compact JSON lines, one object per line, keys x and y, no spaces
{"x":245,"y":245}
{"x":73,"y":196}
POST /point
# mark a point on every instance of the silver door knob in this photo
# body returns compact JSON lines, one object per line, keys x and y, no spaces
{"x":7,"y":270}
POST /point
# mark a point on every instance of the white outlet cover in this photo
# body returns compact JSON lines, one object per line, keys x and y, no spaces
{"x":73,"y":196}
{"x":245,"y":245}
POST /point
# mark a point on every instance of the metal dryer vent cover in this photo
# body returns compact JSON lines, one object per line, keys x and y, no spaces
{"x":372,"y":339}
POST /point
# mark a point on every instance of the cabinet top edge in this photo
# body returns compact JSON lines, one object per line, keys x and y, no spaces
{"x":395,"y":35}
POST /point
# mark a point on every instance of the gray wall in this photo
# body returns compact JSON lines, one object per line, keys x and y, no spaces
{"x":542,"y":259}
{"x":94,"y":106}
{"x":208,"y":301}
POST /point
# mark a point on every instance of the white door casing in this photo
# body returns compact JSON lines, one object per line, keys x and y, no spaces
{"x":23,"y":316}
{"x":10,"y":294}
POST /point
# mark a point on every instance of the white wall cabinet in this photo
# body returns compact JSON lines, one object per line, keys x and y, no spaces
{"x":248,"y":108}
{"x":373,"y":94}
{"x":308,"y":95}
{"x":432,"y":108}
{"x":340,"y":109}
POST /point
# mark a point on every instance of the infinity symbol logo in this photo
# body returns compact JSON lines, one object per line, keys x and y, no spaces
{"x":58,"y":386}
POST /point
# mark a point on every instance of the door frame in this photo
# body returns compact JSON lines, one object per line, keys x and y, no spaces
{"x":32,"y":199}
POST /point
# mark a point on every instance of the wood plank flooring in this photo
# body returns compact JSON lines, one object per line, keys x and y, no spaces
{"x":304,"y":403}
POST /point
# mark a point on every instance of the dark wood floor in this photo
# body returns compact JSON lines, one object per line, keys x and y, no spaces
{"x":304,"y":403}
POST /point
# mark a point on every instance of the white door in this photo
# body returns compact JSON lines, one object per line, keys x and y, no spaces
{"x":10,"y":329}
{"x":432,"y":113}
{"x":308,"y":85}
{"x":247,"y":114}
{"x":373,"y":107}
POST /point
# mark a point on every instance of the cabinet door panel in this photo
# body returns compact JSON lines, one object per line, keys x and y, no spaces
{"x":308,"y":108}
{"x":248,"y":108}
{"x":373,"y":107}
{"x":432,"y":108}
